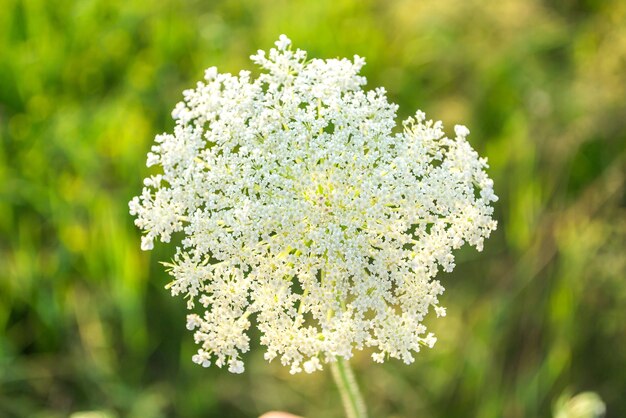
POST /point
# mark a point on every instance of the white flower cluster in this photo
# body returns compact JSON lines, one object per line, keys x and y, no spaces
{"x":302,"y":211}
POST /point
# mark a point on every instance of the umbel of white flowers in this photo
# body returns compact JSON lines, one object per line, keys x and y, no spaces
{"x":300,"y":208}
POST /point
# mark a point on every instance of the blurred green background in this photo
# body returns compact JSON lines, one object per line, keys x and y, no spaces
{"x":540,"y":315}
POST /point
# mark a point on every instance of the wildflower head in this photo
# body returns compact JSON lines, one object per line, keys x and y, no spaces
{"x":302,"y":210}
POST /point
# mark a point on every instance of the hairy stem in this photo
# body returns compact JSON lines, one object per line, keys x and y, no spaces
{"x":348,"y":388}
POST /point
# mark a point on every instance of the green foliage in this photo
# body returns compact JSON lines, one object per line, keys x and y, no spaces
{"x":85,"y":86}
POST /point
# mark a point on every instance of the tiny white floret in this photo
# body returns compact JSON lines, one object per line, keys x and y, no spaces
{"x":461,"y":131}
{"x":283,"y":42}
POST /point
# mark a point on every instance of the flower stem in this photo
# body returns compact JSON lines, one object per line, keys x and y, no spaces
{"x":348,"y":388}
